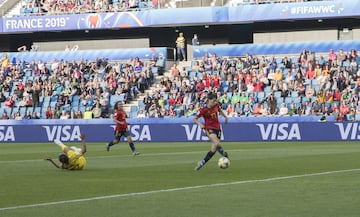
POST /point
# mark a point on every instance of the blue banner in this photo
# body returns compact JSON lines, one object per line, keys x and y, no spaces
{"x":90,"y":55}
{"x":179,"y":130}
{"x":275,"y":48}
{"x":183,"y":16}
{"x":291,"y":11}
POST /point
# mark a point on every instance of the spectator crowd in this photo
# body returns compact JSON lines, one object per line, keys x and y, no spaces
{"x":61,"y":89}
{"x":307,"y":84}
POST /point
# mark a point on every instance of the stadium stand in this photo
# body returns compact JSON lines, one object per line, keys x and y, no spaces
{"x":246,"y":77}
{"x":177,"y":93}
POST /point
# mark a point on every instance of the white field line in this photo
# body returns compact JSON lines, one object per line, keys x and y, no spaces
{"x":112,"y":156}
{"x":178,"y":189}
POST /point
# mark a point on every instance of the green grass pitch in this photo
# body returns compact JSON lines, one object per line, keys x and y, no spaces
{"x":284,"y":179}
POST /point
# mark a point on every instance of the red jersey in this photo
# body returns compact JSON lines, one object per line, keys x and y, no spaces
{"x":211,"y":117}
{"x":120,"y":115}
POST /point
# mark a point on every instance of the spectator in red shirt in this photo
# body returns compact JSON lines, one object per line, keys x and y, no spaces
{"x":258,"y":86}
{"x":341,"y":117}
{"x":200,"y":86}
{"x":175,"y":72}
{"x":20,"y":86}
{"x":344,"y":108}
{"x":310,"y":73}
{"x":216,"y":81}
{"x":332,"y":55}
{"x":337,"y":95}
{"x":171,"y":100}
{"x":207,"y":81}
{"x":179,"y":99}
{"x":9,"y":102}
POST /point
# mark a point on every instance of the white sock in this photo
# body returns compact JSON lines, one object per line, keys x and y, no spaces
{"x":58,"y":142}
{"x":76,"y":149}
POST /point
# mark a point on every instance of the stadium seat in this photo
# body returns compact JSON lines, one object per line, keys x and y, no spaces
{"x":46,"y":102}
{"x":22,"y":111}
{"x":277,"y":94}
{"x":75,"y":100}
{"x":194,"y":74}
{"x":133,"y":114}
{"x":35,"y":10}
{"x":155,"y":70}
{"x":143,"y":4}
{"x":38,"y":110}
{"x":116,"y":98}
{"x":294,"y":94}
{"x":346,"y":64}
{"x":134,"y":108}
{"x":28,"y":73}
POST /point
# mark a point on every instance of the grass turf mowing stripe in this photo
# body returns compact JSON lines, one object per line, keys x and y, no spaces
{"x":181,"y":189}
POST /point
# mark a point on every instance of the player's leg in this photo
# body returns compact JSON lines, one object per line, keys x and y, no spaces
{"x":116,"y":140}
{"x":219,"y":147}
{"x":131,"y":143}
{"x":63,"y":147}
{"x":214,"y":144}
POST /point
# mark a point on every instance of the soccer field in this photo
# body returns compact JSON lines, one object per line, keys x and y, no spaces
{"x":264,"y":179}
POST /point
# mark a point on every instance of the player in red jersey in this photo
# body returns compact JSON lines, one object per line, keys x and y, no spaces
{"x":212,"y":127}
{"x":121,"y":128}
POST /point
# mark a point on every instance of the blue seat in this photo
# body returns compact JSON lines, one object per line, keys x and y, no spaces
{"x":155,"y":70}
{"x":116,"y":98}
{"x":46,"y":101}
{"x":133,"y":114}
{"x":8,"y":110}
{"x":75,"y":100}
{"x":142,"y":107}
{"x":277,"y":94}
{"x":289,"y":100}
{"x":134,"y":108}
{"x":294,"y":93}
{"x":193,"y":74}
{"x":166,"y":96}
{"x":143,"y":4}
{"x":38,"y":110}
{"x":22,"y":111}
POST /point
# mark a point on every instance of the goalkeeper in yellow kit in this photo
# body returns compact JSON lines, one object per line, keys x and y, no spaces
{"x":71,"y":158}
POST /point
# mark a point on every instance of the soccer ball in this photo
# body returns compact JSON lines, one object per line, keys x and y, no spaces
{"x":223,"y":162}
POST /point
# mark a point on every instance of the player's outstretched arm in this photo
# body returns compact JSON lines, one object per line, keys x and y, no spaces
{"x":224,"y":115}
{"x":53,"y":162}
{"x":83,"y":142}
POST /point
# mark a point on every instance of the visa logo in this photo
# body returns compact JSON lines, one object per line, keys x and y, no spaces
{"x":349,"y":131}
{"x":194,"y":132}
{"x":138,"y":132}
{"x":7,"y":134}
{"x":283,"y":131}
{"x":64,"y":133}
